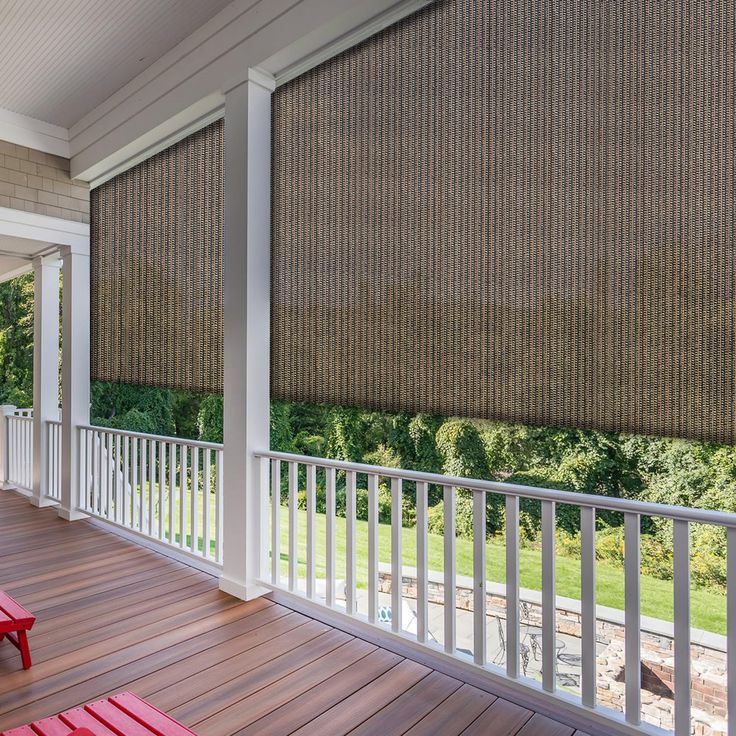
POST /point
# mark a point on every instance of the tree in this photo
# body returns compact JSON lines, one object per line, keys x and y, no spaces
{"x":210,"y":419}
{"x":16,"y":341}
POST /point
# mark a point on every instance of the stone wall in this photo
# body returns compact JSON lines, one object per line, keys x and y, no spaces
{"x":708,"y":662}
{"x":39,"y":182}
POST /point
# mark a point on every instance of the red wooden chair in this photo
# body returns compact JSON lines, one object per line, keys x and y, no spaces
{"x":121,"y":715}
{"x":15,"y":623}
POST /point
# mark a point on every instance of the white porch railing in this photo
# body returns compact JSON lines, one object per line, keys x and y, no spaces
{"x":294,"y":570}
{"x":19,"y":449}
{"x":166,"y":489}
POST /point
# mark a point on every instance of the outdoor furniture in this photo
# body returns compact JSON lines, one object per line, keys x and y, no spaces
{"x":121,"y":715}
{"x":501,"y":654}
{"x":15,"y":623}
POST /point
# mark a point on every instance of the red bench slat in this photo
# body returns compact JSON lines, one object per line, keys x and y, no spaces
{"x":80,"y":718}
{"x":15,"y":611}
{"x":117,"y":721}
{"x":53,"y":726}
{"x":153,"y":718}
{"x":22,"y":731}
{"x":121,"y":715}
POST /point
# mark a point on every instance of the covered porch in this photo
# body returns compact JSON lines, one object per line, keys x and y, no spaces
{"x":448,"y":240}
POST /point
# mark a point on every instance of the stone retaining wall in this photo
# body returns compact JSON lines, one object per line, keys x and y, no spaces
{"x":708,"y":664}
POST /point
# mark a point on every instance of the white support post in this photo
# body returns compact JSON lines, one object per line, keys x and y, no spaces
{"x":45,"y":369}
{"x":247,"y":260}
{"x":6,"y":410}
{"x":74,"y":374}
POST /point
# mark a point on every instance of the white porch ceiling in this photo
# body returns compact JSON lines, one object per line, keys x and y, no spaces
{"x":62,"y":58}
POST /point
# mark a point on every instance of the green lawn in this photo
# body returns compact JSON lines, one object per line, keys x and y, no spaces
{"x":708,"y":608}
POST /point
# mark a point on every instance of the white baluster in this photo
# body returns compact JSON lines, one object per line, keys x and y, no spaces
{"x":276,"y":522}
{"x":330,"y":535}
{"x":479,"y":577}
{"x":206,"y":499}
{"x":350,"y":579}
{"x":311,"y":528}
{"x":588,"y":606}
{"x":397,"y":531}
{"x":293,"y":525}
{"x":449,"y":573}
{"x":422,"y":564}
{"x":513,"y":640}
{"x":372,"y":548}
{"x":549,"y":601}
{"x":681,"y":567}
{"x":632,"y":617}
{"x":183,"y":488}
{"x":194,"y":504}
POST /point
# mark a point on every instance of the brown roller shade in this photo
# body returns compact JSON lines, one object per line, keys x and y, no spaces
{"x":156,"y":269}
{"x":518,"y":211}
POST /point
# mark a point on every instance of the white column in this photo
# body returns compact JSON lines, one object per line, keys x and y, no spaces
{"x":74,"y":373}
{"x":247,"y":327}
{"x":6,"y":410}
{"x":45,"y":369}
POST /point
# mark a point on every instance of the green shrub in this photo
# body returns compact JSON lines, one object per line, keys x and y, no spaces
{"x":463,"y":516}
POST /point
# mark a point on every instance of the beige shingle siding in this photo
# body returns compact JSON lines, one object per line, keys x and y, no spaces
{"x":39,"y":182}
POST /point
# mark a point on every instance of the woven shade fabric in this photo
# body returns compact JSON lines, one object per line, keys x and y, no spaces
{"x":515,"y":211}
{"x":156,"y":269}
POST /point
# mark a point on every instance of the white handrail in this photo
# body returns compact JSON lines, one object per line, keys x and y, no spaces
{"x":608,"y":503}
{"x":145,"y":436}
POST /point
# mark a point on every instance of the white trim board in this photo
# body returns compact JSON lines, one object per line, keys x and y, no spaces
{"x":211,"y":108}
{"x":42,"y":228}
{"x":282,"y":38}
{"x":31,"y":133}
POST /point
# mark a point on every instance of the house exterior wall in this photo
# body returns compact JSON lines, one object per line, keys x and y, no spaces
{"x":39,"y":182}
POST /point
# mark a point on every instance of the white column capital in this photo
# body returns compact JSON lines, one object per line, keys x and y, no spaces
{"x":256,"y":76}
{"x":49,"y":261}
{"x":77,"y":249}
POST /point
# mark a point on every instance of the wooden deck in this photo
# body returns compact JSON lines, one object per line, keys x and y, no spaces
{"x":115,"y":616}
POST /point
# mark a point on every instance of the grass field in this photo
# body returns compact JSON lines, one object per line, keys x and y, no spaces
{"x":708,"y":608}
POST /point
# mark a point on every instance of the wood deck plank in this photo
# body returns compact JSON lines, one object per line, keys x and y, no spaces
{"x":501,"y":719}
{"x":361,"y":705}
{"x":274,"y":711}
{"x":455,"y":714}
{"x":408,"y":709}
{"x":216,"y":699}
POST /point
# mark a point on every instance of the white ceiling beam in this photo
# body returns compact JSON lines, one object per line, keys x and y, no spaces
{"x":42,"y":228}
{"x":32,"y":133}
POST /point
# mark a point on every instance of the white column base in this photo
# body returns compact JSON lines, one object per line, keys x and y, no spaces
{"x":240,"y":590}
{"x":42,"y":503}
{"x":71,"y":515}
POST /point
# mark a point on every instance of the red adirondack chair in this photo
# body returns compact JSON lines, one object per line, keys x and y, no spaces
{"x":15,"y":623}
